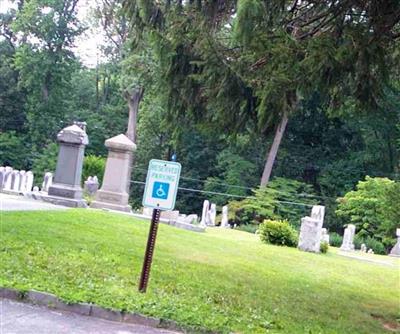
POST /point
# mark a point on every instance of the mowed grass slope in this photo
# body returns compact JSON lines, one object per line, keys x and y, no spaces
{"x":221,"y":280}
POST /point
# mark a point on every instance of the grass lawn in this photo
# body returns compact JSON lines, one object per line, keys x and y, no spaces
{"x":221,"y":280}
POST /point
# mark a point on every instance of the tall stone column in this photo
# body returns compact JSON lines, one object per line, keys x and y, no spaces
{"x":66,"y":187}
{"x":114,"y":193}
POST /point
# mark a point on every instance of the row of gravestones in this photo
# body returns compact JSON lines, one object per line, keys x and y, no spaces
{"x":209,"y":215}
{"x":21,"y":181}
{"x":312,"y":234}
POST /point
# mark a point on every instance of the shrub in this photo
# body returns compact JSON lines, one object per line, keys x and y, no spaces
{"x":335,"y":239}
{"x":93,"y":166}
{"x":272,"y":203}
{"x":278,"y":232}
{"x":371,"y":243}
{"x":324,"y":246}
{"x":251,"y":228}
{"x":45,"y":161}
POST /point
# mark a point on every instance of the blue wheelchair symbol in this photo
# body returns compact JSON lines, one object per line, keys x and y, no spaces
{"x":160,"y":190}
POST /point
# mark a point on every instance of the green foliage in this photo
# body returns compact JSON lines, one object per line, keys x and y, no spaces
{"x":45,"y":161}
{"x":93,"y":166}
{"x":367,"y":208}
{"x":278,"y":232}
{"x":13,"y":150}
{"x":335,"y":239}
{"x":280,"y":200}
{"x":371,"y":243}
{"x":324,"y":247}
{"x":250,"y":228}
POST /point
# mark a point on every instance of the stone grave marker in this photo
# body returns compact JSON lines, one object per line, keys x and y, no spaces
{"x":114,"y":192}
{"x":348,"y":237}
{"x":66,"y":187}
{"x":224,"y":219}
{"x":395,"y":251}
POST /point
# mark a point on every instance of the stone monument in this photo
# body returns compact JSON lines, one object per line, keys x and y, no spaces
{"x":204,"y":214}
{"x":224,"y":219}
{"x":310,"y":235}
{"x":114,"y":193}
{"x":324,"y":236}
{"x":396,"y":249}
{"x":29,"y":181}
{"x":66,"y":187}
{"x":212,"y":214}
{"x":47,"y":181}
{"x":91,"y":185}
{"x":348,"y":237}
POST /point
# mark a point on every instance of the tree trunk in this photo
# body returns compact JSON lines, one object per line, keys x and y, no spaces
{"x":134,"y":97}
{"x":280,"y":130}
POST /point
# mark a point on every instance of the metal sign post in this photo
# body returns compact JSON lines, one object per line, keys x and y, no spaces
{"x":160,"y":194}
{"x":151,"y":241}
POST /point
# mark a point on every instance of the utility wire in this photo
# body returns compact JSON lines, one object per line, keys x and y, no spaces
{"x":226,"y":194}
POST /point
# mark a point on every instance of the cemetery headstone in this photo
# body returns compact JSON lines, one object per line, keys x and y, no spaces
{"x":35,"y":189}
{"x":29,"y":181}
{"x":363,"y":248}
{"x":91,"y":185}
{"x":348,"y":237}
{"x":204,"y":214}
{"x":396,"y":249}
{"x":318,"y":213}
{"x":224,"y":219}
{"x":324,"y":236}
{"x":66,"y":187}
{"x":22,"y":181}
{"x":212,"y":214}
{"x":15,"y":180}
{"x":47,"y":181}
{"x":2,"y":177}
{"x":310,"y":235}
{"x":114,"y":192}
{"x":191,"y":219}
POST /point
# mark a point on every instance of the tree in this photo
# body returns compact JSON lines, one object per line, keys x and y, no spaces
{"x":45,"y":61}
{"x":251,"y":63}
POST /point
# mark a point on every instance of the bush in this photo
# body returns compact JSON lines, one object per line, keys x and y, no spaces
{"x":335,"y":239}
{"x":278,"y":232}
{"x":93,"y":166}
{"x":272,"y":203}
{"x":44,"y":162}
{"x":367,"y":208}
{"x":371,"y":243}
{"x":251,"y":228}
{"x":324,"y":246}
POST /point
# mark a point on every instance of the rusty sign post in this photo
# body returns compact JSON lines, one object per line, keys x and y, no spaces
{"x":160,"y":194}
{"x":148,"y":256}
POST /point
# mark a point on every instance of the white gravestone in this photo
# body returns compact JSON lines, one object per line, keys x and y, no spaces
{"x":325,"y":236}
{"x":7,"y":179}
{"x":29,"y":181}
{"x":396,"y":249}
{"x":15,"y":181}
{"x":224,"y":219}
{"x":348,"y":237}
{"x":190,"y":219}
{"x":2,"y":177}
{"x":47,"y":181}
{"x":22,"y":181}
{"x":310,"y":235}
{"x":318,"y":213}
{"x":35,"y":189}
{"x":363,"y":248}
{"x":212,"y":214}
{"x":91,"y":185}
{"x":204,"y":214}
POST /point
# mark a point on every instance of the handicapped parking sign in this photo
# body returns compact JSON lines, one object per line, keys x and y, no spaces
{"x":160,"y":190}
{"x":161,"y":184}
